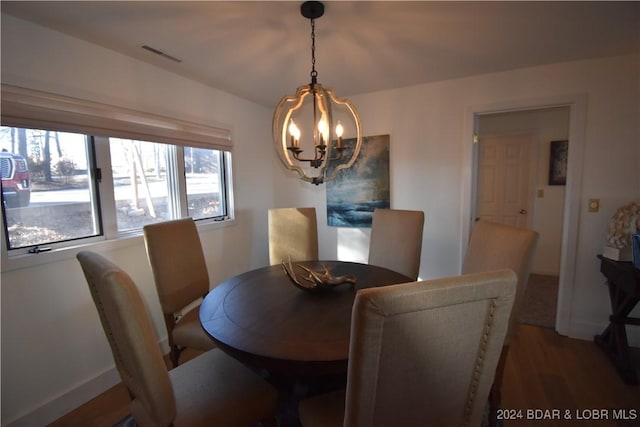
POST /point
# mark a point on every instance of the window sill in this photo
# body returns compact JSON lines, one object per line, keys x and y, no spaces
{"x":23,"y":261}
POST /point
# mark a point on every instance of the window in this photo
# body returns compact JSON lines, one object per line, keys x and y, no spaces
{"x":60,"y":186}
{"x":143,"y":182}
{"x":56,"y":201}
{"x":206,"y":176}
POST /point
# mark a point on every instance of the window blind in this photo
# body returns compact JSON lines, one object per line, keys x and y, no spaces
{"x":29,"y":108}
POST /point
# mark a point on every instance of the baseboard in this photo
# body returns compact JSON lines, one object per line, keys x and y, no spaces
{"x":67,"y":402}
{"x":72,"y":399}
{"x":587,"y":330}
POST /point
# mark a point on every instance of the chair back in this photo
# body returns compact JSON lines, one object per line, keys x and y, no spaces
{"x":496,"y":246}
{"x":134,"y":344}
{"x":177,"y":261}
{"x":424,"y":353}
{"x":292,"y":232}
{"x":396,"y":240}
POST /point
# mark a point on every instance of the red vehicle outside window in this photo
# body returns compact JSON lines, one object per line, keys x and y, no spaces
{"x":16,"y":180}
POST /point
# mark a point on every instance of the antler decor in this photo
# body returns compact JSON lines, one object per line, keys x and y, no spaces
{"x":314,"y":280}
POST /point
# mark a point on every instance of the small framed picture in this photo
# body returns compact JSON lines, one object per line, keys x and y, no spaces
{"x":558,"y":155}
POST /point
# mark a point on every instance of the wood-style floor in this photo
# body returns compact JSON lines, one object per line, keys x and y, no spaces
{"x":544,"y":372}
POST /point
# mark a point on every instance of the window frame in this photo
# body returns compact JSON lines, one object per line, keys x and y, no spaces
{"x":34,"y":109}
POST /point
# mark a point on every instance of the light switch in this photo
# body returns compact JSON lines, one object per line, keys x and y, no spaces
{"x":594,"y":205}
{"x":540,"y":193}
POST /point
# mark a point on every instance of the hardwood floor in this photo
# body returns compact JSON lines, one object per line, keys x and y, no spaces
{"x":544,"y":372}
{"x":103,"y":411}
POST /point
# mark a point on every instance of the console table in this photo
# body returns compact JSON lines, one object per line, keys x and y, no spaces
{"x":623,"y":280}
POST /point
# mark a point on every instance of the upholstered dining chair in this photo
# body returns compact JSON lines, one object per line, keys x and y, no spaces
{"x":494,"y":246}
{"x":211,"y":389}
{"x":293,"y":232}
{"x":396,"y":240}
{"x":421,"y":354}
{"x":181,"y":277}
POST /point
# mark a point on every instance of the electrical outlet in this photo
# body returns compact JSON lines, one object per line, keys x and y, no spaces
{"x":594,"y":205}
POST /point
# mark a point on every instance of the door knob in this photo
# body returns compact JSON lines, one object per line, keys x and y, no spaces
{"x":523,"y":211}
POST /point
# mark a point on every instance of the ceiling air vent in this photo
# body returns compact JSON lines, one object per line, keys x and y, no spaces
{"x":160,"y":53}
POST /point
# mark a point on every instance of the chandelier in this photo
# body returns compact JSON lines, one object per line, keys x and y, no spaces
{"x":312,"y":113}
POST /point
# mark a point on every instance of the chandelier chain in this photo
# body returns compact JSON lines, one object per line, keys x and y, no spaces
{"x":314,"y":73}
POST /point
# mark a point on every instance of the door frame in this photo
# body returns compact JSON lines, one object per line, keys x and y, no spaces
{"x":577,"y":104}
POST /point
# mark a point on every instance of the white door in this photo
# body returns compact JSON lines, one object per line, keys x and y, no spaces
{"x":504,"y":180}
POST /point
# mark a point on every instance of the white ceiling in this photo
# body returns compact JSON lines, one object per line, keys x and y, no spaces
{"x":261,"y":51}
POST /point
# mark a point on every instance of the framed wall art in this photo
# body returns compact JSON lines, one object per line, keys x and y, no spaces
{"x":558,"y":155}
{"x":354,"y":194}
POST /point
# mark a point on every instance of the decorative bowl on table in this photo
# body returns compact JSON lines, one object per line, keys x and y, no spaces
{"x":314,"y":281}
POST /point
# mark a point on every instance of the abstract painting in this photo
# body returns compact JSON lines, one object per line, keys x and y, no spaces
{"x":558,"y":156}
{"x":354,"y":194}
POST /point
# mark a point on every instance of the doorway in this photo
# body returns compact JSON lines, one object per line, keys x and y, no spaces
{"x":513,"y":178}
{"x":573,"y":106}
{"x":514,"y":189}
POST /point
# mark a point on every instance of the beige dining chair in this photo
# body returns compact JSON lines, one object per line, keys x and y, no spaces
{"x":211,"y":389}
{"x":293,"y":232}
{"x":181,"y":277}
{"x":421,"y":354}
{"x":396,"y":240}
{"x":494,"y":246}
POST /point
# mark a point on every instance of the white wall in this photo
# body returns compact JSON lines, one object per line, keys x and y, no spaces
{"x":54,"y":353}
{"x":52,"y":344}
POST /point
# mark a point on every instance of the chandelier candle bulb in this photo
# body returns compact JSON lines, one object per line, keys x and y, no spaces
{"x":323,"y":129}
{"x":295,"y":134}
{"x":339,"y":132}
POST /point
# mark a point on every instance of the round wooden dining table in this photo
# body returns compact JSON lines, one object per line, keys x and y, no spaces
{"x":262,"y":319}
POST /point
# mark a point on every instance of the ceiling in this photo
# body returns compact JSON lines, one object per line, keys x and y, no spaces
{"x":261,"y":51}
